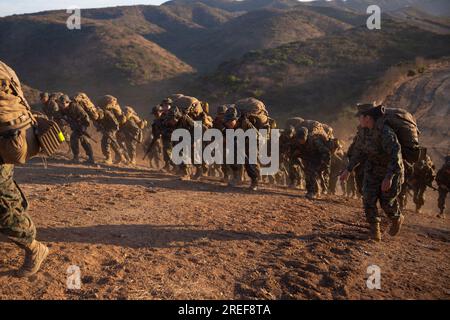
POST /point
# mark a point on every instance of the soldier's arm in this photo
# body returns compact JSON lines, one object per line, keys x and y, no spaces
{"x":355,"y":154}
{"x":392,"y":147}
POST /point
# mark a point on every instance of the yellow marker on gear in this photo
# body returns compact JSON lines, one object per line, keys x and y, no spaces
{"x":61,"y":137}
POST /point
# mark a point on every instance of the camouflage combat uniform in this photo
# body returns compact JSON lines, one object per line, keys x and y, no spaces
{"x":380,"y":152}
{"x":15,"y":223}
{"x":315,"y":155}
{"x":109,"y":125}
{"x":50,"y":109}
{"x":349,"y":187}
{"x":131,"y":133}
{"x":443,"y":182}
{"x":79,"y":122}
{"x":423,"y":176}
{"x":337,"y":165}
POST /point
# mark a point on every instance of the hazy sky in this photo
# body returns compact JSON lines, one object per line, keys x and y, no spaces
{"x":9,"y":7}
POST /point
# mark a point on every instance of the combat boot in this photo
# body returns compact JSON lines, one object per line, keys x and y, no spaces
{"x":311,"y":196}
{"x":108,"y":160}
{"x":75,"y":159}
{"x":90,"y":161}
{"x":198,"y":174}
{"x":133,"y":160}
{"x":121,"y":159}
{"x":375,"y":231}
{"x":254,"y":185}
{"x":396,"y":225}
{"x":441,"y":214}
{"x":35,"y":254}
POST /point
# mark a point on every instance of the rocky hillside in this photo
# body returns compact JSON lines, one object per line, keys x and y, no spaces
{"x":427,"y":96}
{"x":321,"y":77}
{"x":267,"y":48}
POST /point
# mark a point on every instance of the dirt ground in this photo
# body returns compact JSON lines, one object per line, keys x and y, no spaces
{"x":142,"y":234}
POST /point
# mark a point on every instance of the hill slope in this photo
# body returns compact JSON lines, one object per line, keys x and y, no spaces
{"x":427,"y":96}
{"x":321,"y":77}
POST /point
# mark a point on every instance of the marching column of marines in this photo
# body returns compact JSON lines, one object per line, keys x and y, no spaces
{"x":383,"y":163}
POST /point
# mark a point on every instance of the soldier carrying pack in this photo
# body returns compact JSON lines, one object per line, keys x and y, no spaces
{"x":22,"y":134}
{"x":405,"y":127}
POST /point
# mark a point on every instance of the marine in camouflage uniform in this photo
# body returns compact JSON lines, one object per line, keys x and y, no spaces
{"x":108,"y":124}
{"x":349,"y":187}
{"x":79,"y":122}
{"x":162,"y":131}
{"x":290,"y":160}
{"x":423,"y":176}
{"x":218,"y":123}
{"x":160,"y":143}
{"x":131,"y":134}
{"x":358,"y":170}
{"x":443,"y":182}
{"x":48,"y":107}
{"x":234,"y":121}
{"x":176,"y":119}
{"x":15,"y":223}
{"x":315,"y":154}
{"x":199,"y":114}
{"x":380,"y":150}
{"x":336,"y":164}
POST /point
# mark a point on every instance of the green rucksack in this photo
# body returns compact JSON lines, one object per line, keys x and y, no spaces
{"x":255,"y":110}
{"x":405,"y":127}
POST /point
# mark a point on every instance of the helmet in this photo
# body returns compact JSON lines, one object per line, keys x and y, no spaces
{"x":107,"y":101}
{"x":64,"y":99}
{"x":302,"y":133}
{"x":222,"y":109}
{"x":44,"y":95}
{"x":157,"y":108}
{"x":230,"y":115}
{"x":174,"y":114}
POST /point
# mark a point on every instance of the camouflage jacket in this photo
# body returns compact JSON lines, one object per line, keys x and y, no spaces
{"x":443,"y":178}
{"x":76,"y":116}
{"x":109,"y":122}
{"x":315,"y":150}
{"x":51,"y":109}
{"x":379,"y":149}
{"x":424,"y":172}
{"x":131,"y":130}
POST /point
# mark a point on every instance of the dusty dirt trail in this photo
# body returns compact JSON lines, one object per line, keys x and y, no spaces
{"x":141,"y":234}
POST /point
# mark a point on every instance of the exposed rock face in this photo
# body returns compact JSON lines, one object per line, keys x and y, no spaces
{"x":427,"y":96}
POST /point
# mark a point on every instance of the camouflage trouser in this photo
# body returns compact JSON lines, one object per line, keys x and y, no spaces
{"x":187,"y":169}
{"x":78,"y":137}
{"x":15,"y":223}
{"x":252,"y":170}
{"x":372,"y":194}
{"x":155,"y":154}
{"x":312,"y":176}
{"x":359,"y":178}
{"x":441,"y":200}
{"x":349,"y":186}
{"x":325,"y":179}
{"x":294,"y":172}
{"x":332,"y":184}
{"x":167,"y":147}
{"x":418,"y":198}
{"x":109,"y":141}
{"x":129,"y":144}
